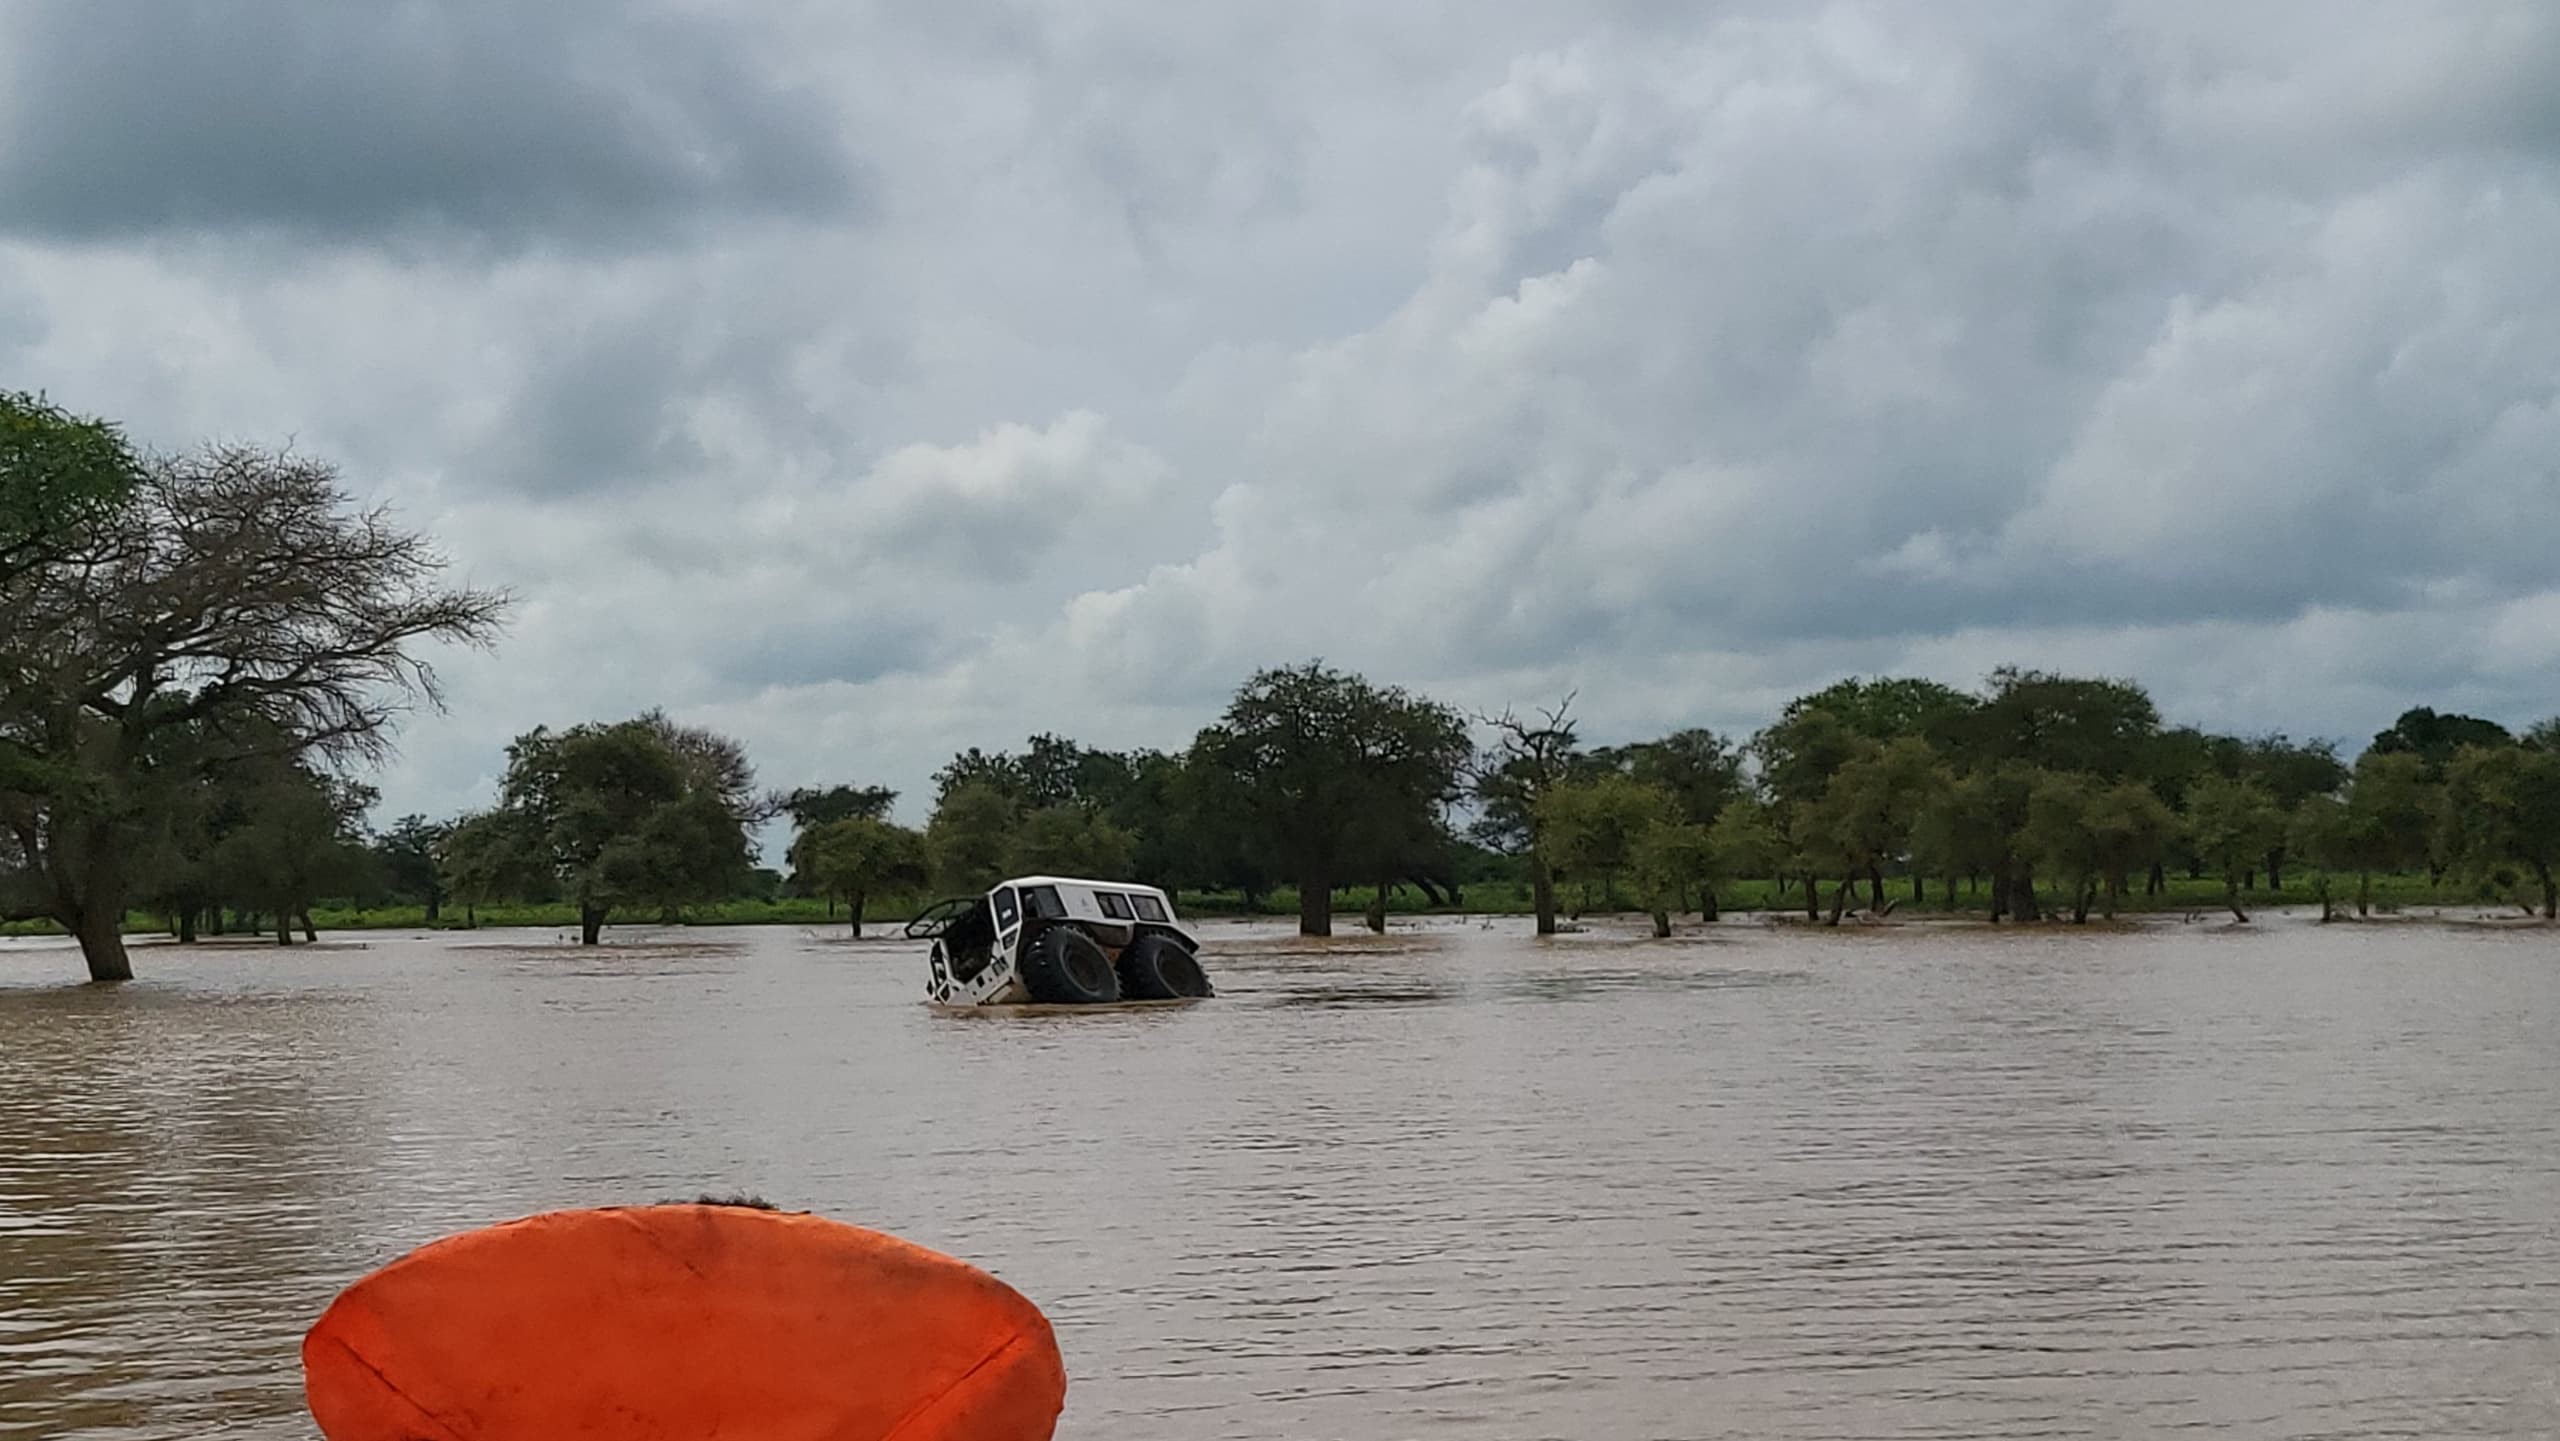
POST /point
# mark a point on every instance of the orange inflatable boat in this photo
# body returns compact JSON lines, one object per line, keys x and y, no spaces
{"x":681,"y":1323}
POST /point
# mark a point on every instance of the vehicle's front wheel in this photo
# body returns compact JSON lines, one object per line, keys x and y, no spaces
{"x":1160,"y":968}
{"x":1066,"y":967}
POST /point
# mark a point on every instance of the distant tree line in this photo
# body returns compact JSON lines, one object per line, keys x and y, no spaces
{"x":2040,"y":796}
{"x":197,"y":652}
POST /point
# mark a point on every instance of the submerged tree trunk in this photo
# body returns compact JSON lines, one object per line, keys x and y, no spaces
{"x":310,"y":932}
{"x":100,"y":931}
{"x":590,"y":924}
{"x":2364,"y":893}
{"x":1315,"y":904}
{"x":853,"y":910}
{"x":1875,"y":886}
{"x":1708,"y":910}
{"x":1661,"y":925}
{"x":1812,"y":897}
{"x":284,"y":929}
{"x":2022,"y":895}
{"x":2000,"y":893}
{"x":2231,"y":895}
{"x":1840,"y":899}
{"x":1542,"y":893}
{"x":186,"y":925}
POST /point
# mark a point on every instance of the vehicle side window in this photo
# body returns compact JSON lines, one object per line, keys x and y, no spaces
{"x":1043,"y":902}
{"x":1007,"y":909}
{"x":1114,"y":905}
{"x":1149,"y":908}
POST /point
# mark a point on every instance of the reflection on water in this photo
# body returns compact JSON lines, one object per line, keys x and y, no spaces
{"x":1911,"y":1182}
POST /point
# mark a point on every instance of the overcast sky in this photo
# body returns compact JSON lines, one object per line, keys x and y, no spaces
{"x":869,"y":381}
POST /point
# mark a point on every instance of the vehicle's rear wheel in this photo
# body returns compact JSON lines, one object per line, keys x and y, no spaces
{"x":1160,"y":968}
{"x":1066,"y":967}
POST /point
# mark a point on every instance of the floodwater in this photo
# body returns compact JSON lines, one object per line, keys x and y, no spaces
{"x":1906,"y":1182}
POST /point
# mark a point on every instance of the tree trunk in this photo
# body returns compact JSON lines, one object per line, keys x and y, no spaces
{"x":2022,"y":895}
{"x":1661,"y":925}
{"x":2231,"y":894}
{"x":1999,"y":892}
{"x":1376,"y":916}
{"x":1542,"y":894}
{"x":310,"y":932}
{"x":590,"y":924}
{"x":100,"y":931}
{"x":1812,"y":897}
{"x":435,"y":904}
{"x":2159,"y":880}
{"x":2364,"y":893}
{"x":1875,"y":886}
{"x":1707,"y":908}
{"x":284,"y":929}
{"x":1840,"y":899}
{"x":1315,"y":904}
{"x":1919,"y":889}
{"x":2275,"y":870}
{"x":853,"y":909}
{"x":2081,"y":901}
{"x":186,"y":925}
{"x":2550,"y":892}
{"x":213,"y":918}
{"x":2115,"y":893}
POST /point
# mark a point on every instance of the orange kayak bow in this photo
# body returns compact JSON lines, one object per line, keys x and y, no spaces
{"x":677,"y":1323}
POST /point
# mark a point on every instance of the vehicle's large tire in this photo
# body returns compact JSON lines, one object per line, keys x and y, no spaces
{"x":1160,"y":968}
{"x":1066,"y":967}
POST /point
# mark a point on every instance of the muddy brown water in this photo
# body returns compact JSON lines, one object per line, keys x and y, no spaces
{"x":1913,"y":1182}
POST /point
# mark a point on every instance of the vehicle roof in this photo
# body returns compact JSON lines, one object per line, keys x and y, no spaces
{"x":1079,"y":881}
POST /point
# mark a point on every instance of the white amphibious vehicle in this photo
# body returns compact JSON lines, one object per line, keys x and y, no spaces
{"x":1057,"y":941}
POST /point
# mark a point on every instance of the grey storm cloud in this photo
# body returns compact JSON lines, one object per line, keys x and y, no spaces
{"x":349,"y":122}
{"x":874,"y":381}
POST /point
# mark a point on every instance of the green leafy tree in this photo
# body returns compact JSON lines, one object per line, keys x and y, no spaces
{"x":59,"y":473}
{"x":1867,"y":815}
{"x":1317,"y":756}
{"x":1743,"y":842}
{"x":810,"y":806}
{"x":1957,"y":833}
{"x":2092,"y":835}
{"x":2319,"y":833}
{"x":231,"y":593}
{"x":410,"y":857}
{"x":2232,"y":825}
{"x":1668,"y":857}
{"x":2389,"y":820}
{"x":969,"y":841}
{"x":297,"y":838}
{"x":858,"y":857}
{"x":1592,"y":827}
{"x":638,"y":813}
{"x":2502,"y":805}
{"x":494,"y":856}
{"x":2435,"y":738}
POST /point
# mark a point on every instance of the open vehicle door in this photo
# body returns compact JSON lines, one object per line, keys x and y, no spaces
{"x":941,"y":916}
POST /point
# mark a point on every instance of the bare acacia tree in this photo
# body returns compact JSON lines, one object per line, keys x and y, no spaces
{"x":237,"y":595}
{"x":1528,"y":759}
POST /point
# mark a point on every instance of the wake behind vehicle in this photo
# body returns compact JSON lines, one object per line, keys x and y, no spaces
{"x":1059,"y":941}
